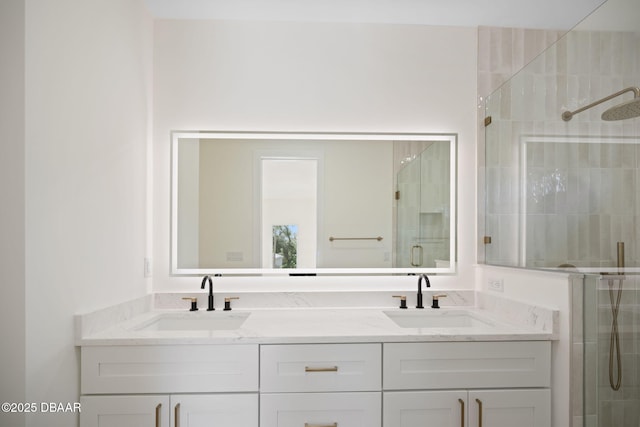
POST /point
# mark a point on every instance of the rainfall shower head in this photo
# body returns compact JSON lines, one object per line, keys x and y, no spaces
{"x":626,"y":110}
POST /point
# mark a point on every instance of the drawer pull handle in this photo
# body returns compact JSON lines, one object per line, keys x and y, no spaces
{"x":326,"y":369}
{"x":479,"y":402}
{"x":158,"y":414}
{"x":320,"y":425}
{"x":177,"y":416}
{"x":461,"y":412}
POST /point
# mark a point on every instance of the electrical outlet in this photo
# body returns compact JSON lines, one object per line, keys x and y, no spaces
{"x":235,"y":256}
{"x":147,"y":267}
{"x":496,"y":285}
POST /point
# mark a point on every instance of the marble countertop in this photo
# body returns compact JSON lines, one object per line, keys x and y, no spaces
{"x":320,"y":325}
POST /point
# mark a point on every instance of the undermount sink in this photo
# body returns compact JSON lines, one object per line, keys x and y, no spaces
{"x":436,"y":319}
{"x":207,"y":321}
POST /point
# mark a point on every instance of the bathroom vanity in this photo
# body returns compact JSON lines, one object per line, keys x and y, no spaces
{"x":313,"y":367}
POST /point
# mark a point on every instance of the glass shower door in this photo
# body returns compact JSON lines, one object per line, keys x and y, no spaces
{"x":408,"y":254}
{"x":423,"y":202}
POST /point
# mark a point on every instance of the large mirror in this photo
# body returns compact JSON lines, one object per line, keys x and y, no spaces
{"x":312,"y":203}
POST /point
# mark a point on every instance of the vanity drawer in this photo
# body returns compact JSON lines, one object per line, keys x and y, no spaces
{"x":169,"y":369}
{"x":321,"y":409}
{"x":447,"y":365}
{"x":320,"y":367}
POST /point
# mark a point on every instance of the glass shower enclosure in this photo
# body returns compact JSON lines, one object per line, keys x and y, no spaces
{"x":563,"y":192}
{"x":423,"y":207}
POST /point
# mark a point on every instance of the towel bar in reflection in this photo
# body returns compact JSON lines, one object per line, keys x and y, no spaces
{"x":331,"y":239}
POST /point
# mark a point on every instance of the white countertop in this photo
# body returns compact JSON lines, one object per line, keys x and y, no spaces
{"x":319,"y":325}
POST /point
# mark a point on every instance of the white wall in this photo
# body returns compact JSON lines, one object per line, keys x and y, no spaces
{"x":217,"y":75}
{"x":12,"y":208}
{"x":88,"y":106}
{"x":356,"y":202}
{"x":545,"y":289}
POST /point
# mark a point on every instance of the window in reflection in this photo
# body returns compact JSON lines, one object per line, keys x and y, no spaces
{"x":285,"y":246}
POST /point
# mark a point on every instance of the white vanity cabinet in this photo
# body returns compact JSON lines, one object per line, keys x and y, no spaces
{"x":492,"y":384}
{"x":221,"y":410}
{"x":462,"y":408}
{"x":403,"y":384}
{"x":167,"y":378}
{"x":182,"y":410}
{"x":125,"y":411}
{"x":320,"y":409}
{"x":320,"y":385}
{"x":515,"y":407}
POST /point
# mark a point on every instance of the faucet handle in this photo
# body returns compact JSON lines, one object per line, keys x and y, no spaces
{"x":194,"y":303}
{"x":434,"y":300}
{"x":227,"y":303}
{"x":403,"y":300}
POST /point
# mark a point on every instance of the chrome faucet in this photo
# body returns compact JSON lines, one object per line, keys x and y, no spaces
{"x":206,"y":279}
{"x":419,"y":299}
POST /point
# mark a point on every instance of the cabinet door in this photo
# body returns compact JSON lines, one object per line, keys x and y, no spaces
{"x":425,"y":409}
{"x":124,"y":411}
{"x":230,"y":410}
{"x":508,"y":408}
{"x":320,"y":410}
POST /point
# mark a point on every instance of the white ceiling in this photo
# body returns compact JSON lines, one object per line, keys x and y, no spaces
{"x":550,"y":14}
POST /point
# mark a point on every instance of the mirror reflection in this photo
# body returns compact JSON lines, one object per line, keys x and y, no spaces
{"x":287,"y":203}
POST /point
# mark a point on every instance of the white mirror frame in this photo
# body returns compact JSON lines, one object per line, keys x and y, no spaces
{"x":177,"y":135}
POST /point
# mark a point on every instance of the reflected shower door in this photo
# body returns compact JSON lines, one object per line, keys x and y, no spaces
{"x":408,"y":254}
{"x":423,"y":209}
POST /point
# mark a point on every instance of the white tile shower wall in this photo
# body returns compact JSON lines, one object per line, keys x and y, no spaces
{"x":579,"y":68}
{"x":580,"y":202}
{"x":501,"y":53}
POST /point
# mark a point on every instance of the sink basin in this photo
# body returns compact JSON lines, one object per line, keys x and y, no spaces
{"x":207,"y":321}
{"x":436,"y":319}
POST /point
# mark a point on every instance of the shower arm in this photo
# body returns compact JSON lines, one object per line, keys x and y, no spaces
{"x":568,"y":115}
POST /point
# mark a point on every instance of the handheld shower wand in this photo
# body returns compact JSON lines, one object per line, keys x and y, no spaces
{"x":614,"y":338}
